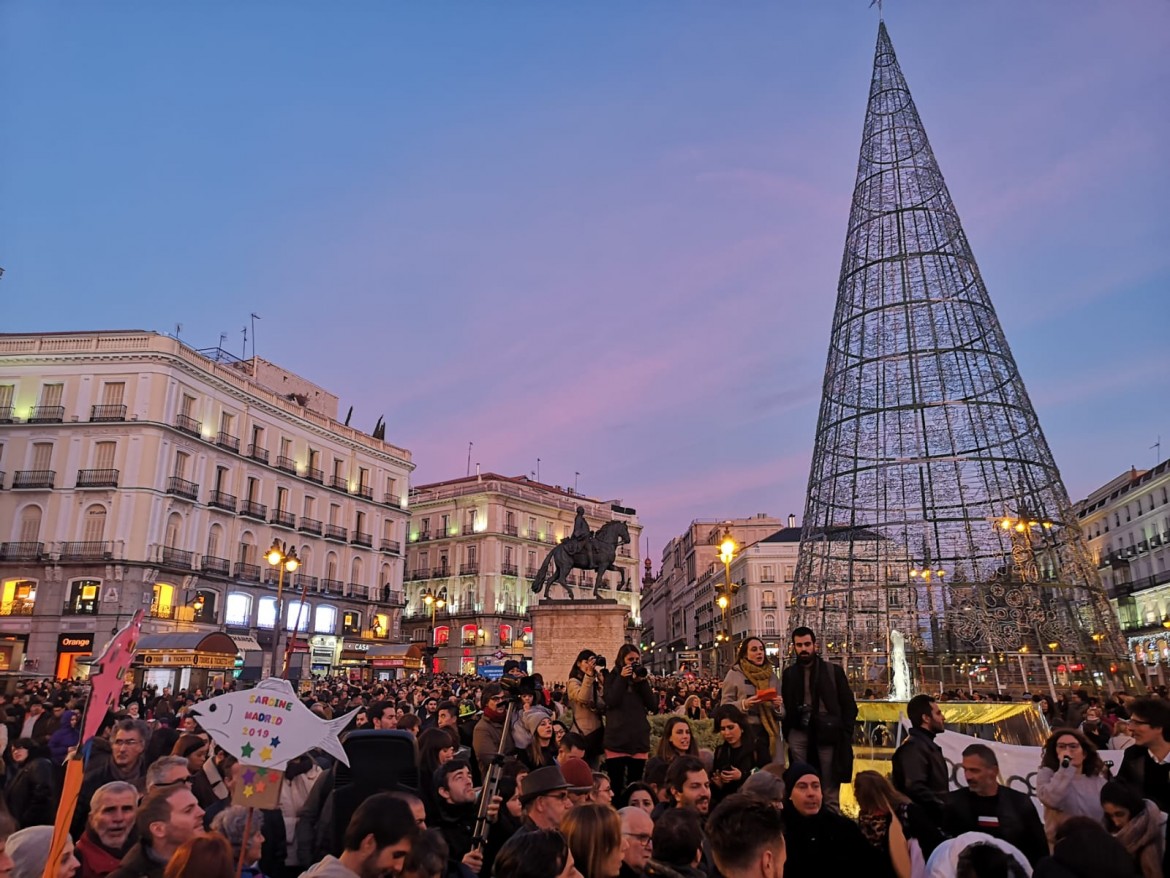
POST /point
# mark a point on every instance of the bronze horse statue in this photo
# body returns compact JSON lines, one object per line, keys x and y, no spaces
{"x":597,"y":554}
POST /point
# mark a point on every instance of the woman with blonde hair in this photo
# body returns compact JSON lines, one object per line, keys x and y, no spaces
{"x":894,"y":825}
{"x":692,"y":709}
{"x":594,"y":834}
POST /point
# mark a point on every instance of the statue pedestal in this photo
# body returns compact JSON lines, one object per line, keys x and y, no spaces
{"x":561,"y":629}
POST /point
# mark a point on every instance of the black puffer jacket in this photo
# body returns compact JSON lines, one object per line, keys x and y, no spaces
{"x":627,"y":701}
{"x":32,"y":793}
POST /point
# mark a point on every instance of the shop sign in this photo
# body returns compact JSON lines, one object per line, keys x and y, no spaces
{"x":74,"y":643}
{"x":187,"y":660}
{"x":355,"y":646}
{"x":396,"y":661}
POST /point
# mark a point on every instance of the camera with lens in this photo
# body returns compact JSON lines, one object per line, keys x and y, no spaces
{"x":599,"y":662}
{"x":639,"y":671}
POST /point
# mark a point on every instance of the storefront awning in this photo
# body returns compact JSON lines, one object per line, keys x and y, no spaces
{"x":246,"y":643}
{"x":396,"y":655}
{"x":186,"y":649}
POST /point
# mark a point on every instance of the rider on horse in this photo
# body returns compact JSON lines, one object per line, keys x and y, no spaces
{"x":581,"y":539}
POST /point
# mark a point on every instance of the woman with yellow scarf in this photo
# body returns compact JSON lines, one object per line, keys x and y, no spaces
{"x":752,"y":685}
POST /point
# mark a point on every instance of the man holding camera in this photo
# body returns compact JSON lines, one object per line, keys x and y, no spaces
{"x":818,"y":723}
{"x":628,"y":700}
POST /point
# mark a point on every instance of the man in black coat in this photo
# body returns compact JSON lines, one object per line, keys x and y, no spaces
{"x":819,"y":715}
{"x":820,"y":842}
{"x":920,"y":769}
{"x":1146,"y":765}
{"x":987,"y":806}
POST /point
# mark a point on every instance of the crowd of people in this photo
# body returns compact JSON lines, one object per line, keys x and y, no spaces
{"x":581,"y":788}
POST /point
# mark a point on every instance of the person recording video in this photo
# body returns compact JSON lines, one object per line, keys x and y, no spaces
{"x":628,"y":701}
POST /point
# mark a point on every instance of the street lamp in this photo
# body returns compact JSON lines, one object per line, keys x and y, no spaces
{"x":283,"y":557}
{"x":727,"y":549}
{"x":435,"y":603}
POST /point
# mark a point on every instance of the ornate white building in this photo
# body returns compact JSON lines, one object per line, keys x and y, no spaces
{"x":1127,"y":525}
{"x":139,"y":473}
{"x":474,"y":547}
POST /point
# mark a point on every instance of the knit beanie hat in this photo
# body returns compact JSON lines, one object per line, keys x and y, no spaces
{"x":29,"y":850}
{"x":532,"y":719}
{"x":795,"y":772}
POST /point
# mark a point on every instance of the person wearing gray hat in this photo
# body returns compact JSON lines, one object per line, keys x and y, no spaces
{"x":29,"y":849}
{"x":544,"y":793}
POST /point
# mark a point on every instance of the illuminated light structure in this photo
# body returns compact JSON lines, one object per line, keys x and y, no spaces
{"x":934,"y":507}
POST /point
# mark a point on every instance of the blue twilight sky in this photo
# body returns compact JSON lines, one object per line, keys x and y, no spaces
{"x":423,"y":200}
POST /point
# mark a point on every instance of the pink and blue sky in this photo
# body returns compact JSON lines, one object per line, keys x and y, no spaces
{"x":425,"y":202}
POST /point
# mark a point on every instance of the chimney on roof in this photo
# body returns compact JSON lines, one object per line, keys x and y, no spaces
{"x":792,"y":521}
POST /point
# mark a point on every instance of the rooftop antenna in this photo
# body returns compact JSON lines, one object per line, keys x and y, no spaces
{"x":222,"y":339}
{"x":538,"y":469}
{"x":469,"y":447}
{"x":878,"y":4}
{"x":178,"y":329}
{"x":1157,"y":449}
{"x":244,"y":352}
{"x":576,"y":476}
{"x":255,"y":317}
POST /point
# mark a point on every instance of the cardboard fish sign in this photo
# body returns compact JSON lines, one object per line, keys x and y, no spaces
{"x":269,"y":725}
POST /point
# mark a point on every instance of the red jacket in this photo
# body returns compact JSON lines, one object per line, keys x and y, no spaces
{"x":97,"y":861}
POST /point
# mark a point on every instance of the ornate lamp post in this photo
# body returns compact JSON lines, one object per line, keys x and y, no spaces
{"x":435,"y":603}
{"x":727,"y":549}
{"x":283,"y":557}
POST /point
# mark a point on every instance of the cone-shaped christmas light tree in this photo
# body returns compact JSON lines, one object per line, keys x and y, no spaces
{"x":939,"y":545}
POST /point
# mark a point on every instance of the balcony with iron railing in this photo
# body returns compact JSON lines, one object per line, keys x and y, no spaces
{"x":392,"y":547}
{"x":222,"y":500}
{"x":468,"y":530}
{"x":283,"y":518}
{"x":6,"y":414}
{"x":509,"y":569}
{"x":47,"y":414}
{"x":17,"y":608}
{"x":393,"y":598}
{"x":33,"y":479}
{"x":341,"y":483}
{"x":247,"y":572}
{"x":313,"y":474}
{"x":162,"y":611}
{"x":99,"y":413}
{"x":332,"y":586}
{"x":310,"y":526}
{"x":358,"y":591}
{"x":182,"y":488}
{"x":469,"y":569}
{"x":21,"y":551}
{"x":361,"y":539}
{"x":87,"y":551}
{"x":252,"y":509}
{"x":423,"y":536}
{"x":300,"y":580}
{"x":287,"y":464}
{"x":511,"y":530}
{"x":216,"y":566}
{"x":97,"y":478}
{"x":365,"y":492}
{"x":176,"y":559}
{"x":336,"y":532}
{"x":187,"y":424}
{"x":418,"y":575}
{"x":80,"y":608}
{"x":258,"y":453}
{"x":227,"y":441}
{"x":392,"y":500}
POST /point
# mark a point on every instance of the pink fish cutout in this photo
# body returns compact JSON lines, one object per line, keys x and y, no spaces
{"x":108,"y":674}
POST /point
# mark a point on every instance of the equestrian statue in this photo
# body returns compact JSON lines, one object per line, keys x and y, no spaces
{"x":584,"y":550}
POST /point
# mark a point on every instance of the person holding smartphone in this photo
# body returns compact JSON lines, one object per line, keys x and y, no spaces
{"x":741,"y":752}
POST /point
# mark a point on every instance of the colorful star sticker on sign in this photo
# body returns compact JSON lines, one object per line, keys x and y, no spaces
{"x":259,"y":786}
{"x":265,"y":754}
{"x":248,"y":791}
{"x":246,"y":750}
{"x":276,"y":742}
{"x":249,"y":776}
